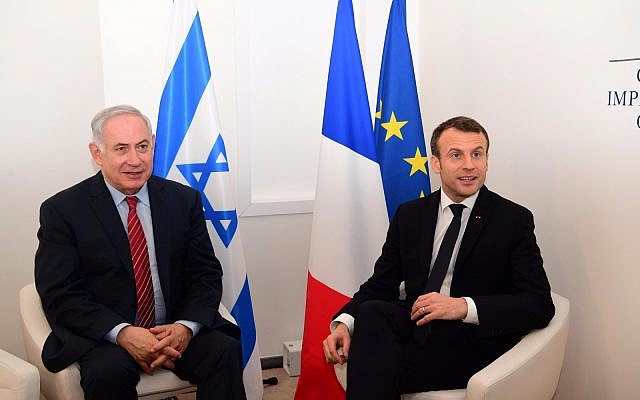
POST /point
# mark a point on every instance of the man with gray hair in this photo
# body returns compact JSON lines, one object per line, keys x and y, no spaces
{"x":127,"y":274}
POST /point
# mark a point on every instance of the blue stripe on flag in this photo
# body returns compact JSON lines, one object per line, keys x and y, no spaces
{"x":398,"y":125}
{"x":180,"y":98}
{"x":347,"y":119}
{"x":242,"y":311}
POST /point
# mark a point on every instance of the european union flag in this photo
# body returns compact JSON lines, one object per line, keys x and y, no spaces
{"x":400,"y":146}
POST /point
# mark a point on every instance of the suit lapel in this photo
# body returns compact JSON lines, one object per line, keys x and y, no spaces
{"x":160,"y":209}
{"x":104,"y":208}
{"x":429,"y":220}
{"x":477,"y":221}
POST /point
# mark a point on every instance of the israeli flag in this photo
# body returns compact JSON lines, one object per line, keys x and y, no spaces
{"x":190,"y":148}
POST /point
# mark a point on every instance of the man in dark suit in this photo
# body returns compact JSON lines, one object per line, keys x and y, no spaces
{"x":127,"y":274}
{"x":491,"y":291}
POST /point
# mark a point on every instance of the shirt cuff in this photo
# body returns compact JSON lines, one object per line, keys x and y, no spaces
{"x":472,"y":312}
{"x":194,"y":326}
{"x":112,"y":335}
{"x":346,"y":319}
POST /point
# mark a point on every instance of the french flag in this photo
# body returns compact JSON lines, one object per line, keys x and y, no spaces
{"x":350,"y":215}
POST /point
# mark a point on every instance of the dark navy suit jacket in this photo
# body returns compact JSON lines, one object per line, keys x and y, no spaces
{"x":498,"y":265}
{"x":84,"y":272}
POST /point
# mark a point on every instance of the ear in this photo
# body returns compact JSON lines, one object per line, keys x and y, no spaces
{"x":96,"y":154}
{"x":435,"y":164}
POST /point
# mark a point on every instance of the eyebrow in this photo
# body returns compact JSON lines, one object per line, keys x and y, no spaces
{"x":127,"y":144}
{"x":460,"y":150}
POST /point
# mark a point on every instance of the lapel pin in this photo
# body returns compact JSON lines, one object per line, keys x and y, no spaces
{"x":478,"y":217}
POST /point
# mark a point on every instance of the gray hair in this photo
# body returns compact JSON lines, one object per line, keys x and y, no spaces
{"x":98,"y":121}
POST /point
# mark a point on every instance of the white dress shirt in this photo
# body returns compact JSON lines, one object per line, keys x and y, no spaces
{"x":445,"y":215}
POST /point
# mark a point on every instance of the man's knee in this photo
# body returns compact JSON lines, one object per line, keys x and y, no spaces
{"x":372,"y":306}
{"x":377,"y":310}
{"x":116,"y":374}
{"x":107,"y":371}
{"x":216,"y":349}
{"x":382,"y":318}
{"x":231,"y":349}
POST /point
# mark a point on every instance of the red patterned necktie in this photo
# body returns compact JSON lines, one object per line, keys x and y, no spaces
{"x":141,"y":268}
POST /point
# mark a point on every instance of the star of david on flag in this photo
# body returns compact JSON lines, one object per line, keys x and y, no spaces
{"x":190,"y":149}
{"x":197,"y":175}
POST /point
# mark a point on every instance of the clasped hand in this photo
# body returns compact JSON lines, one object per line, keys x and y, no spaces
{"x":155,"y":347}
{"x":432,"y":306}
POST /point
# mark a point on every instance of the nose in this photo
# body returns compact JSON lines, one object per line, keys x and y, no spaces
{"x":468,"y":163}
{"x":133,"y":158}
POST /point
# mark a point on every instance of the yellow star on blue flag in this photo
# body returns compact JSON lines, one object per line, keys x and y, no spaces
{"x":397,"y":90}
{"x":418,"y":163}
{"x":393,"y":127}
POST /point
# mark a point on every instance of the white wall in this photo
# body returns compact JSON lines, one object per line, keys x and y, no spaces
{"x":50,"y":87}
{"x":536,"y":74}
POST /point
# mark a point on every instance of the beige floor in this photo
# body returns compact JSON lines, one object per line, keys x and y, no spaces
{"x":284,"y":390}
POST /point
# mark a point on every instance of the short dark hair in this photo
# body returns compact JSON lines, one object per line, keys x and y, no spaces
{"x":464,"y":124}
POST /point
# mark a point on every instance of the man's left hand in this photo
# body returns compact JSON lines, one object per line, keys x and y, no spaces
{"x":176,"y":336}
{"x":431,"y":306}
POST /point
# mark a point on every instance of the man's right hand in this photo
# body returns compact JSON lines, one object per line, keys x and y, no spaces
{"x":338,"y":339}
{"x":138,"y":342}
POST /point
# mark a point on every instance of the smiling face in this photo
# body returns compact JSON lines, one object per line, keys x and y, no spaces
{"x":462,"y":162}
{"x":126,"y":157}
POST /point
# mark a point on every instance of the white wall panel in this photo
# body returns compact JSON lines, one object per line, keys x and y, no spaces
{"x":50,"y":87}
{"x":537,"y":76}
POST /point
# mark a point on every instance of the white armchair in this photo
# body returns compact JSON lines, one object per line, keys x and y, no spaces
{"x":19,"y":380}
{"x":528,"y":371}
{"x":65,"y":385}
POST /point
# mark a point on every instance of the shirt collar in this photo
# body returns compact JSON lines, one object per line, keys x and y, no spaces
{"x":445,"y":201}
{"x":118,"y":196}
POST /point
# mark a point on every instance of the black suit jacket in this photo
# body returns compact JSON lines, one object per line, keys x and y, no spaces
{"x":84,"y":272}
{"x":498,"y":265}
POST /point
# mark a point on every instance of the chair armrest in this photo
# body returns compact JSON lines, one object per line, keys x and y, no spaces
{"x":35,"y":330}
{"x":224,"y":313}
{"x":531,"y":369}
{"x":19,"y":380}
{"x":35,"y":327}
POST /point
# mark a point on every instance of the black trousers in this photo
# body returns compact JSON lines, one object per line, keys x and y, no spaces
{"x":212,"y":361}
{"x":385,"y":360}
